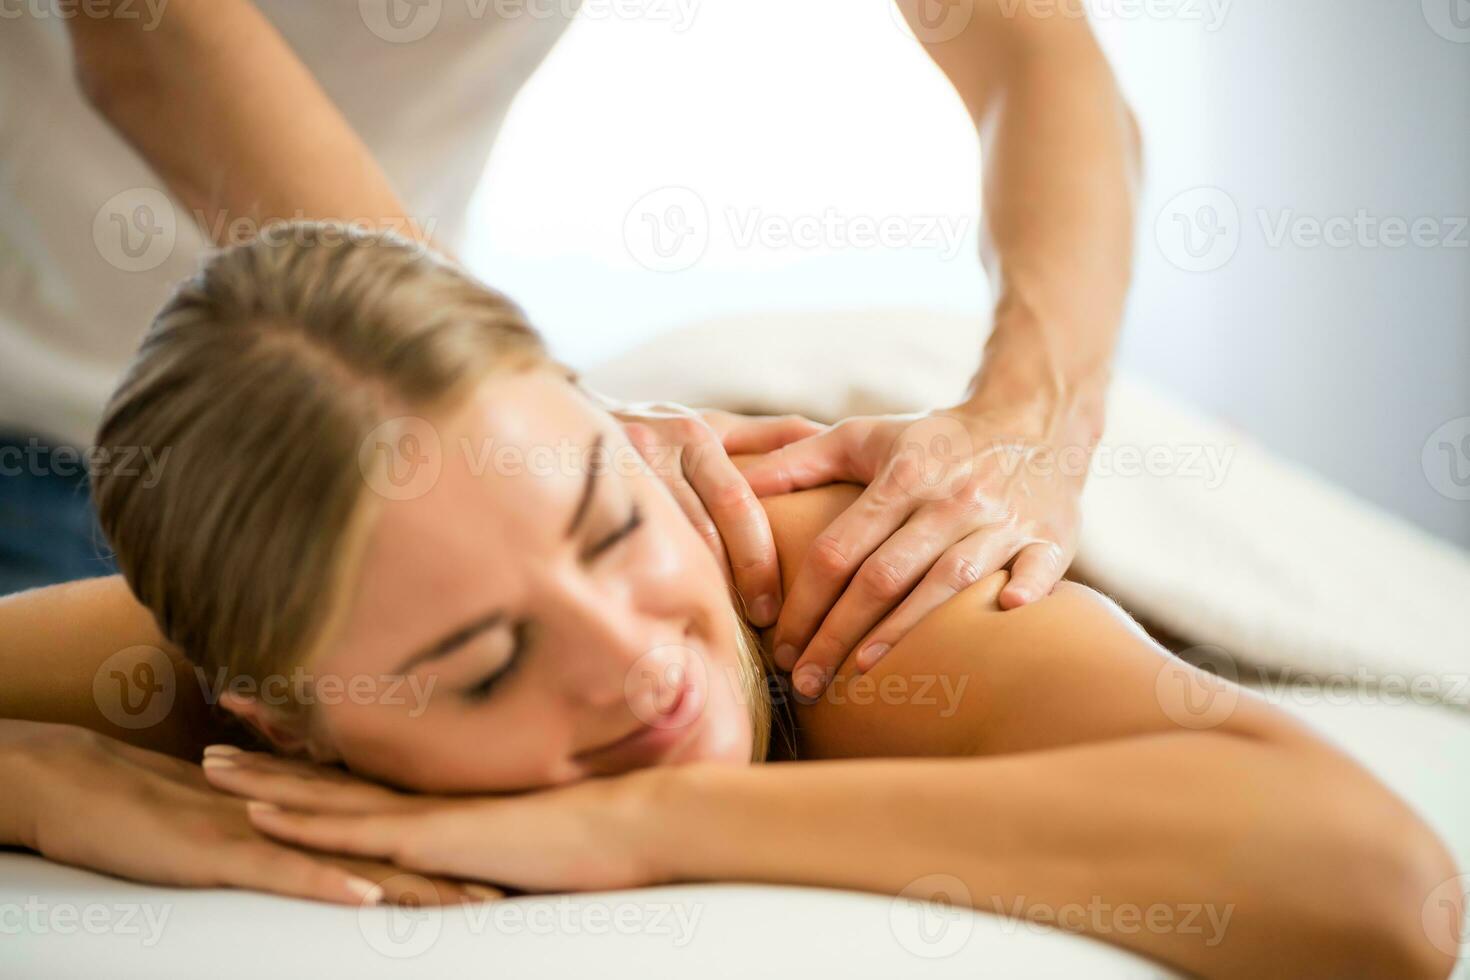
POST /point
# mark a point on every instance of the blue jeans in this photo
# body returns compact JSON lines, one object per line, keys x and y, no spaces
{"x":48,"y":532}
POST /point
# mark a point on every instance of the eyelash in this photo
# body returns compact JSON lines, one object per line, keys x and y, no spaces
{"x":481,"y":690}
{"x":635,"y":521}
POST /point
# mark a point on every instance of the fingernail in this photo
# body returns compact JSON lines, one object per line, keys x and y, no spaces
{"x":763,"y":610}
{"x":367,"y":893}
{"x":215,"y":750}
{"x":261,"y":806}
{"x":482,"y":893}
{"x":785,"y":656}
{"x":809,"y":681}
{"x":870,"y":654}
{"x":218,"y":762}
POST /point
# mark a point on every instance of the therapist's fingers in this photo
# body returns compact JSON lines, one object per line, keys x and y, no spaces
{"x":825,"y":457}
{"x":1036,"y":571}
{"x":830,"y":562}
{"x":881,"y":582}
{"x":962,"y":565}
{"x":662,"y":459}
{"x":743,"y":527}
{"x":740,"y":434}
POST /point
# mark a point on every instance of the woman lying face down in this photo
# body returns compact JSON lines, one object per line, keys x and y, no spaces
{"x":385,"y":488}
{"x":393,"y":534}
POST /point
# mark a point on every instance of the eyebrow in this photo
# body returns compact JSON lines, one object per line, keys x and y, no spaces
{"x":457,"y":638}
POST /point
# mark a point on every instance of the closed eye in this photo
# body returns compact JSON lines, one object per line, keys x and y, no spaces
{"x":482,"y":689}
{"x":633,"y":523}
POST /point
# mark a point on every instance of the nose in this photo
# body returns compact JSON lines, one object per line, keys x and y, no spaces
{"x":620,"y":655}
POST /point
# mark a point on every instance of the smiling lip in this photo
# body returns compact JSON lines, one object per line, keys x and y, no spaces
{"x":650,"y":742}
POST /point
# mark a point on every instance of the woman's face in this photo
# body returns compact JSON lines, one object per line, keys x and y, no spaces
{"x":541,"y":612}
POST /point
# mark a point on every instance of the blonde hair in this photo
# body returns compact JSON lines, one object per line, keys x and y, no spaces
{"x":260,"y":378}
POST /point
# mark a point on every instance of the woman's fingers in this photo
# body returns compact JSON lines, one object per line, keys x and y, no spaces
{"x":267,"y":867}
{"x":298,"y":785}
{"x":378,"y":836}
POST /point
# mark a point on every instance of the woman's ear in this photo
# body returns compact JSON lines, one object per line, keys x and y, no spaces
{"x":286,"y":731}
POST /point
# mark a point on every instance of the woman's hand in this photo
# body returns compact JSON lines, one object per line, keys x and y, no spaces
{"x":690,"y":451}
{"x":87,"y":800}
{"x":586,"y":836}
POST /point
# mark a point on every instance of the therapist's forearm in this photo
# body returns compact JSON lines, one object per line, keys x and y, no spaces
{"x":227,"y":115}
{"x":1206,"y":851}
{"x":1060,"y":153}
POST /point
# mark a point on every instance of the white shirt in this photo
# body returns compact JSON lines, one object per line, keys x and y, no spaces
{"x":91,"y":243}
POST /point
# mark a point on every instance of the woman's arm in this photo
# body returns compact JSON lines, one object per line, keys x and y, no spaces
{"x":1106,"y":782}
{"x":88,"y":654}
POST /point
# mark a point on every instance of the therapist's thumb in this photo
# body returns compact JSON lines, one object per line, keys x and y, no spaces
{"x":809,"y":462}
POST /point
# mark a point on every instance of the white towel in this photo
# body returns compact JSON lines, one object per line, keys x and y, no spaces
{"x":1212,"y":538}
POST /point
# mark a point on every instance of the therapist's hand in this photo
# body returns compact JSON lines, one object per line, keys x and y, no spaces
{"x":690,"y":452}
{"x":951,"y":496}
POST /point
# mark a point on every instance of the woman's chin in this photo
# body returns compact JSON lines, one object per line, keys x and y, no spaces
{"x":721,"y":737}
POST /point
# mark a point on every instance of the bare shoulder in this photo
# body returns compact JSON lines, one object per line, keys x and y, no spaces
{"x":972,"y":678}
